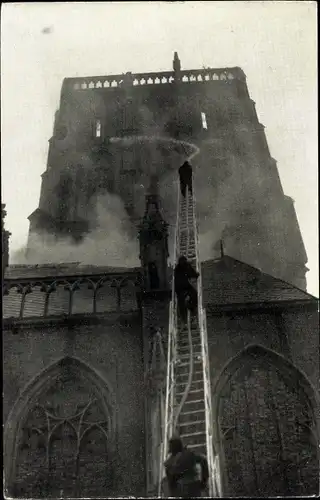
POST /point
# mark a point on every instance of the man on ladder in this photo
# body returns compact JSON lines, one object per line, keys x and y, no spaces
{"x":186,"y":295}
{"x":186,"y":472}
{"x":185,"y":175}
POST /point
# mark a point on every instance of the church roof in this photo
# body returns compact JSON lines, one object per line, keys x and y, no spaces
{"x":227,"y":281}
{"x":23,"y":272}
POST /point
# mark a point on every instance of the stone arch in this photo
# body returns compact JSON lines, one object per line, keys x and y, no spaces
{"x":83,"y":296}
{"x":12,"y":301}
{"x":259,"y":398}
{"x":128,"y":295}
{"x":59,"y":298}
{"x":38,"y":403}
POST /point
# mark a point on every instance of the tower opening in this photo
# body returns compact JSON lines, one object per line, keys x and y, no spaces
{"x":204,"y":121}
{"x":98,"y":128}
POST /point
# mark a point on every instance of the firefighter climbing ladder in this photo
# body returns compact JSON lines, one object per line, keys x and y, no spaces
{"x":188,"y":411}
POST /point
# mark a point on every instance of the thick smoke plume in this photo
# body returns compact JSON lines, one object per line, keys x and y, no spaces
{"x":221,"y":187}
{"x":111,"y":242}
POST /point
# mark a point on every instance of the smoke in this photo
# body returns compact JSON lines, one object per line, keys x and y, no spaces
{"x":111,"y":241}
{"x":225,"y":180}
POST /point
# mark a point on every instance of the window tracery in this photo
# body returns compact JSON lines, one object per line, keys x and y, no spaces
{"x":267,"y":427}
{"x":59,"y":436}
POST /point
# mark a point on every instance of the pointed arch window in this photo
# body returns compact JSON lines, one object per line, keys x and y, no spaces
{"x":262,"y":409}
{"x":65,"y":440}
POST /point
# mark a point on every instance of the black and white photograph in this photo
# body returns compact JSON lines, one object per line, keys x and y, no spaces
{"x":160,"y":248}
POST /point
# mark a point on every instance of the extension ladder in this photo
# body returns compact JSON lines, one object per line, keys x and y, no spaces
{"x":188,"y":411}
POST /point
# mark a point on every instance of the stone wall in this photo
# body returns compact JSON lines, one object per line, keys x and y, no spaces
{"x":109,"y":347}
{"x":265,"y":408}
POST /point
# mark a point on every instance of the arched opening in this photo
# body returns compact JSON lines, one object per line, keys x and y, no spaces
{"x":12,"y":300}
{"x":94,"y":461}
{"x":128,"y":296}
{"x":59,"y":299}
{"x":34,"y":302}
{"x":82,"y":298}
{"x":62,"y":420}
{"x":267,"y":436}
{"x":107,"y":296}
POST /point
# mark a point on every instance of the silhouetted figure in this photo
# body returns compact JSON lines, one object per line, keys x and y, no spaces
{"x":153,"y":276}
{"x":185,"y":174}
{"x":186,"y":472}
{"x":186,"y":295}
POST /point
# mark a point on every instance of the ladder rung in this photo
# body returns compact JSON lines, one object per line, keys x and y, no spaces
{"x":197,"y":445}
{"x":192,"y":422}
{"x":195,"y":401}
{"x":194,"y":373}
{"x":193,"y":434}
{"x":192,"y":412}
{"x":186,"y":356}
{"x":190,"y":392}
{"x":192,"y":382}
{"x":187,"y":364}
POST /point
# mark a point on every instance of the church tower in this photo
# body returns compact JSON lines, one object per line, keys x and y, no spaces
{"x":112,"y":132}
{"x":86,"y":345}
{"x":5,"y":241}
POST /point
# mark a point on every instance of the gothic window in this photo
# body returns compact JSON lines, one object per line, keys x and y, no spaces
{"x":64,"y":441}
{"x":93,"y":462}
{"x":62,"y":458}
{"x":261,"y":419}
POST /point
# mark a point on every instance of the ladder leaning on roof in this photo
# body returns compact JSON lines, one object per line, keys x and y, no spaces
{"x":188,"y":411}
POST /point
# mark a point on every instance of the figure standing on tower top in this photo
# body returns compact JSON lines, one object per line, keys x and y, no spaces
{"x":185,"y":174}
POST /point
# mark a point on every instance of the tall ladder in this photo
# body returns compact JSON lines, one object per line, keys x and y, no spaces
{"x":188,"y":411}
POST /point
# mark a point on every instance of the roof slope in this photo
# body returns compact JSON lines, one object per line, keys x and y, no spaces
{"x":228,"y":281}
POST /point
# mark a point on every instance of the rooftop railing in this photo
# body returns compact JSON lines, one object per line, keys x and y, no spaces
{"x":159,"y":78}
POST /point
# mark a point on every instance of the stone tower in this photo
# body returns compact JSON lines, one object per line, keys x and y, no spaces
{"x":112,"y":132}
{"x":5,"y":240}
{"x":85,"y":345}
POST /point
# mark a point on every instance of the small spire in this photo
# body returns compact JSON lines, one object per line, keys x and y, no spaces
{"x":152,"y":215}
{"x":5,"y":240}
{"x":176,"y":63}
{"x":221,"y":249}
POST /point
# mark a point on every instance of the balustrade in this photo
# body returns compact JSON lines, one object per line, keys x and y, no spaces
{"x":188,"y":76}
{"x":78,"y":296}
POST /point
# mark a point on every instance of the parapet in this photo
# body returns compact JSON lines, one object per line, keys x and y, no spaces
{"x":157,"y":78}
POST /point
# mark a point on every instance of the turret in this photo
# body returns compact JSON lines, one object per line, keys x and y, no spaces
{"x":176,"y":66}
{"x":5,"y":241}
{"x":153,"y":236}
